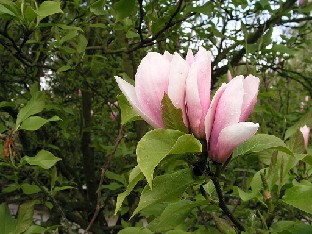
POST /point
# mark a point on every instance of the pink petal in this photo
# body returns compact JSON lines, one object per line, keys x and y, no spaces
{"x":151,"y":82}
{"x":251,"y":87}
{"x":228,"y":109}
{"x":189,"y":57}
{"x":129,"y":91}
{"x":305,"y":130}
{"x":229,"y":75}
{"x":177,"y":82}
{"x":212,"y":110}
{"x":193,"y":107}
{"x":168,"y":56}
{"x":231,"y":137}
{"x":203,"y":62}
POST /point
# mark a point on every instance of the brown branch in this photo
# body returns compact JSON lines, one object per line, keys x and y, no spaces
{"x":147,"y":41}
{"x":104,"y":169}
{"x":222,"y":205}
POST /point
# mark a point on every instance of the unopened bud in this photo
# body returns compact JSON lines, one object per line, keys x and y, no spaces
{"x":267,"y":195}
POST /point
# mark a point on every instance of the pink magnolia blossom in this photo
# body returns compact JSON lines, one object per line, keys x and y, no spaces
{"x":224,"y":124}
{"x":157,"y":74}
{"x":188,"y":85}
{"x":305,"y":130}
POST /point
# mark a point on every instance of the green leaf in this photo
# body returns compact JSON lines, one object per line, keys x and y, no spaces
{"x":127,"y":112}
{"x":259,"y":143}
{"x":155,"y":145}
{"x":4,"y":10}
{"x":48,"y":8}
{"x":97,"y":7}
{"x":30,"y":188}
{"x":291,"y":227}
{"x":172,"y":116}
{"x":299,"y":196}
{"x":82,"y":43}
{"x":35,"y":229}
{"x":43,"y":159}
{"x":35,"y":122}
{"x":173,"y":215}
{"x":7,"y":223}
{"x":63,"y":68}
{"x":134,"y":177}
{"x":57,"y":189}
{"x":135,"y":230}
{"x":35,"y":105}
{"x":124,"y":8}
{"x":25,"y":217}
{"x":167,"y":188}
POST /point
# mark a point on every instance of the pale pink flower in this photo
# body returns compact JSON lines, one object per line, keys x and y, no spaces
{"x":224,"y":124}
{"x":305,"y":130}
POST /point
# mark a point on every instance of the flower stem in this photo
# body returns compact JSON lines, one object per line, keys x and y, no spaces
{"x":222,"y":205}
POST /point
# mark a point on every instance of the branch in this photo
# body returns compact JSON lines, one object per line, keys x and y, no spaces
{"x":251,"y":39}
{"x":222,"y":205}
{"x":147,"y":41}
{"x":104,"y":169}
{"x":141,"y":19}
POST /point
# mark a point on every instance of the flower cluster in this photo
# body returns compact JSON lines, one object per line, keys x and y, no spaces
{"x":187,"y":82}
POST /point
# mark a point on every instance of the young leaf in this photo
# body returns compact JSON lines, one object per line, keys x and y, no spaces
{"x":7,"y":223}
{"x":30,"y":188}
{"x":43,"y":159}
{"x":35,"y":105}
{"x":172,"y":116}
{"x":259,"y":143}
{"x":25,"y":217}
{"x":134,"y":177}
{"x":135,"y":230}
{"x":157,"y":144}
{"x":167,"y":188}
{"x":124,"y":8}
{"x":299,"y":196}
{"x":48,"y":8}
{"x":33,"y":123}
{"x":127,"y":112}
{"x":173,"y":215}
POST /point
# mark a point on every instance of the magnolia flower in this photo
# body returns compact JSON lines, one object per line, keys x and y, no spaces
{"x":224,"y":124}
{"x":188,"y":85}
{"x":305,"y":130}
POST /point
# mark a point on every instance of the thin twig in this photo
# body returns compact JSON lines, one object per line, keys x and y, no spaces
{"x":104,"y":169}
{"x":222,"y":205}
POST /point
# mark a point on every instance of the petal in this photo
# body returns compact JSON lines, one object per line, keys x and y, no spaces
{"x":177,"y":79}
{"x":168,"y":56}
{"x":193,"y":107}
{"x":305,"y":130}
{"x":129,"y":91}
{"x":203,"y":62}
{"x":151,"y":82}
{"x":212,"y":110}
{"x":232,"y":136}
{"x":228,"y":109}
{"x":251,"y":87}
{"x":189,"y":57}
{"x":229,"y":75}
